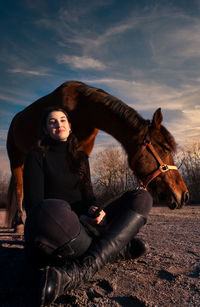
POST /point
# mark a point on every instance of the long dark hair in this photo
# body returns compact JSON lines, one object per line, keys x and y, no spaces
{"x":77,"y":158}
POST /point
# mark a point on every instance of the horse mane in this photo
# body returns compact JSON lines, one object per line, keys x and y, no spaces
{"x":118,"y":107}
{"x":169,"y":138}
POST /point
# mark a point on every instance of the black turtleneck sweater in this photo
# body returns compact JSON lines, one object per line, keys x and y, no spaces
{"x":49,"y":176}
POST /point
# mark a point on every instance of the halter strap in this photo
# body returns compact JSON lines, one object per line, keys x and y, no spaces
{"x":162,"y":166}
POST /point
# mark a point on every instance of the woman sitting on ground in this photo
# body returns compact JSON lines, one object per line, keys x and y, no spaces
{"x":57,"y":195}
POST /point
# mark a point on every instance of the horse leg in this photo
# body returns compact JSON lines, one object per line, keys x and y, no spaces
{"x":18,"y":180}
{"x":15,"y":197}
{"x":15,"y":191}
{"x":87,"y":144}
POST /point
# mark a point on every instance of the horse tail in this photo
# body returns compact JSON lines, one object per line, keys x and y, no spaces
{"x":11,"y":205}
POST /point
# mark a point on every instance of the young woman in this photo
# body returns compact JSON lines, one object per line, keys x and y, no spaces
{"x":57,"y":194}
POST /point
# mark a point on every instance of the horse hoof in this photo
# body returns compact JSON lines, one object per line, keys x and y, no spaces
{"x":19,"y":228}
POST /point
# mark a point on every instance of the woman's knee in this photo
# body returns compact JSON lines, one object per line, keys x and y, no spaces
{"x":139,"y":201}
{"x":51,"y":224}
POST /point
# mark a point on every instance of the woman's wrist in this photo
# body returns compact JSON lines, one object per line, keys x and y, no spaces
{"x":94,"y":211}
{"x":97,"y":215}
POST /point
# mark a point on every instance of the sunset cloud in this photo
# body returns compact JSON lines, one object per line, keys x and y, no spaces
{"x":28,"y":72}
{"x":81,"y":62}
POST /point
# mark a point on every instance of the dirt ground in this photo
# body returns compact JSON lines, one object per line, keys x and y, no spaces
{"x":169,"y":275}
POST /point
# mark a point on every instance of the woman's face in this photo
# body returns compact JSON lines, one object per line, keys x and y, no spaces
{"x":58,"y":126}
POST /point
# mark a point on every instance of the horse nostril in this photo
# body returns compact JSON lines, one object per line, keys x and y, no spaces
{"x":173,"y":206}
{"x":185,"y":198}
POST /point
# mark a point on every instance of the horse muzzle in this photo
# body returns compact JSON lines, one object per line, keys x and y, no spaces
{"x":175,"y":204}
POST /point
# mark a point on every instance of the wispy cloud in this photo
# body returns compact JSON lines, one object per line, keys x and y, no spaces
{"x":186,"y":41}
{"x":16,"y":98}
{"x":81,"y":62}
{"x":177,"y":31}
{"x":15,"y":92}
{"x":28,"y":72}
{"x":180,"y":41}
{"x":143,"y":95}
{"x":109,"y":33}
{"x":10,"y":99}
{"x":71,"y":30}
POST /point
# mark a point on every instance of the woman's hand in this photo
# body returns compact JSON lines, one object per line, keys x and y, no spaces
{"x":100,"y":218}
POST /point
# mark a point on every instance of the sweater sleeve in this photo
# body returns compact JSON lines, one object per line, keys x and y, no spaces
{"x":33,"y":179}
{"x":87,"y":193}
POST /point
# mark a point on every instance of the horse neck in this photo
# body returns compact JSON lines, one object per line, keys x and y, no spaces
{"x":117,"y":119}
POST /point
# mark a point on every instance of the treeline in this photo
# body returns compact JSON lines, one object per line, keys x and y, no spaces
{"x":112,"y":176}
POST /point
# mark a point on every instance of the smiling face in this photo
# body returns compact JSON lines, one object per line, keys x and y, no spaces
{"x":58,"y":126}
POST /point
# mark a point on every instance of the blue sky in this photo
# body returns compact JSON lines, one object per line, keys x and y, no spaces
{"x":147,"y":53}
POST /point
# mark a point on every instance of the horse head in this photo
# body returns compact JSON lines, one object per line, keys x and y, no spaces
{"x":154,"y":167}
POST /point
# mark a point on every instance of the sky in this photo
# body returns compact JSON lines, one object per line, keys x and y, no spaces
{"x":146,"y":53}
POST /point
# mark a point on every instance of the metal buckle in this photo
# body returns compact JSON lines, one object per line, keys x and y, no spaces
{"x":164,"y":168}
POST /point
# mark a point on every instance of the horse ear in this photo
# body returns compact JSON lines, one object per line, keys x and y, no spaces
{"x":157,"y":118}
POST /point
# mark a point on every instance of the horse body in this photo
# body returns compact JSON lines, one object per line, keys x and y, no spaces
{"x":91,"y":110}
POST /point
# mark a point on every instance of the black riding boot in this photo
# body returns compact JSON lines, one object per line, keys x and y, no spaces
{"x":56,"y":281}
{"x":133,"y":250}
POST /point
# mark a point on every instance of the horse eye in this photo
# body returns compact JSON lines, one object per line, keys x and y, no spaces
{"x":167,"y":149}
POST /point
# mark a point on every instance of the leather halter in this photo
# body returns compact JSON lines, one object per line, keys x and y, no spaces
{"x":162,"y":166}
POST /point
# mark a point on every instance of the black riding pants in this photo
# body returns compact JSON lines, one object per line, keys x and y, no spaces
{"x":79,"y":240}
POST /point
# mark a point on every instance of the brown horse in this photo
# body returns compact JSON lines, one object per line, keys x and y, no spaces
{"x":90,"y":109}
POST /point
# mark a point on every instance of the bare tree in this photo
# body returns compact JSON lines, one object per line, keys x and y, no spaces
{"x":189,"y":162}
{"x":111,"y":174}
